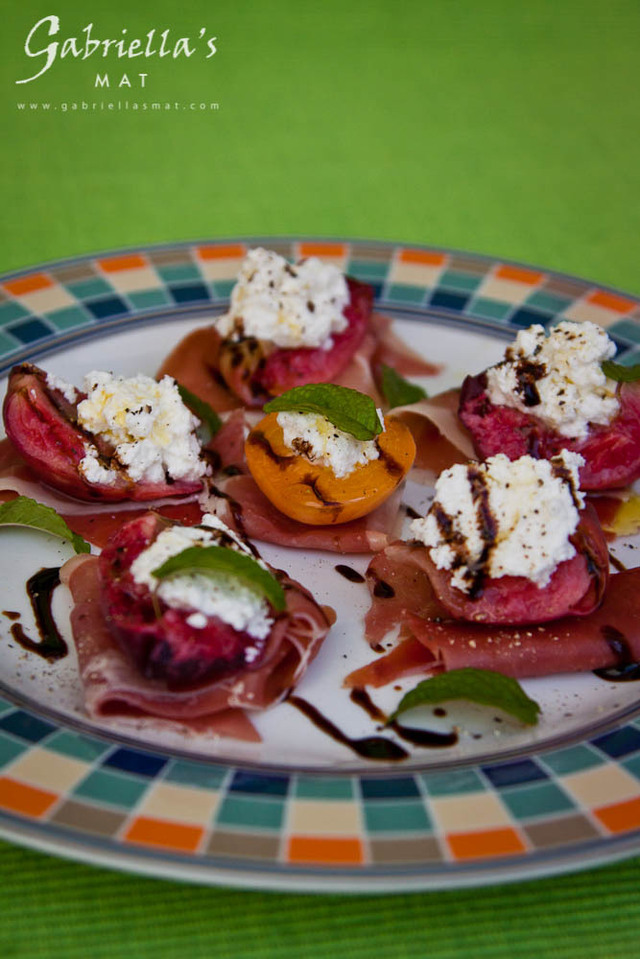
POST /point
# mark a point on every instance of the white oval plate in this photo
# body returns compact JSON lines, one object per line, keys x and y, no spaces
{"x":302,"y":808}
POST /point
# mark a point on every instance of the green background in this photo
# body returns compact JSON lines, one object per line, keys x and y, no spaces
{"x":493,"y":127}
{"x":501,"y":128}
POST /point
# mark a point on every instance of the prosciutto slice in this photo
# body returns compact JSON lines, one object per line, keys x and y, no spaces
{"x":608,"y":638}
{"x":113,"y":687}
{"x":195,"y":365}
{"x":431,"y":640}
{"x":95,"y":522}
{"x":441,"y":438}
{"x":398,"y":582}
{"x":393,"y":351}
{"x":242,"y":506}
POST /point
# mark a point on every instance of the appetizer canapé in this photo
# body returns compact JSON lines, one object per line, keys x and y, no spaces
{"x":513,"y":542}
{"x":551,"y":393}
{"x":187,"y":624}
{"x":116,"y":439}
{"x":318,"y":473}
{"x":508,"y":571}
{"x":288,"y":325}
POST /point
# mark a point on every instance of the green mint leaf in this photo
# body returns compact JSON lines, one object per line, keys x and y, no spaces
{"x":349,"y":410}
{"x":211,"y":560}
{"x":620,"y":372}
{"x":396,"y":390}
{"x":23,"y":511}
{"x":477,"y":686}
{"x":202,"y":410}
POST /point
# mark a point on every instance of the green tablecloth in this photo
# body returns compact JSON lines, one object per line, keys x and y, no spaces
{"x":505,"y":130}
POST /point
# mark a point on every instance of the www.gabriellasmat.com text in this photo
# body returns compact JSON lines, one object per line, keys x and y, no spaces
{"x":111,"y":106}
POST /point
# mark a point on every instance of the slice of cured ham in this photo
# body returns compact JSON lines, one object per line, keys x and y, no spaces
{"x":113,"y":687}
{"x":398,"y":582}
{"x":95,"y":522}
{"x":194,"y":363}
{"x":441,"y":439}
{"x":608,"y":638}
{"x":431,"y":640}
{"x":241,"y":505}
{"x":392,"y":350}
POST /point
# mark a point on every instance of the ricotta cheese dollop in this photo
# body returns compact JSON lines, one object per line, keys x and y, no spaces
{"x":503,"y":518}
{"x":56,"y":383}
{"x":314,"y":436}
{"x":222,"y":595}
{"x":558,"y":377}
{"x":151,"y":429}
{"x":290,"y":306}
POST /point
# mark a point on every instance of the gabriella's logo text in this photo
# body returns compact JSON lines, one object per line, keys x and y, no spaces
{"x":154,"y":44}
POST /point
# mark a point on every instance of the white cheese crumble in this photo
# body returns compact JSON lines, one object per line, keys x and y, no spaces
{"x":151,"y":429}
{"x":56,"y":383}
{"x":558,"y":377}
{"x":290,"y":306}
{"x":314,"y":436}
{"x":503,"y":518}
{"x":222,"y":595}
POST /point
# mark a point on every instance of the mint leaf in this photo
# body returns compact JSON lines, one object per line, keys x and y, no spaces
{"x":202,"y":410}
{"x":477,"y":686}
{"x":349,"y":410}
{"x":396,"y":390}
{"x":219,"y":559}
{"x":24,"y":511}
{"x":620,"y":372}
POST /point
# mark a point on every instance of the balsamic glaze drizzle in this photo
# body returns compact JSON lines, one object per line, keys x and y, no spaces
{"x":370,"y":747}
{"x":383,"y":590}
{"x":626,"y":669}
{"x":616,"y":563}
{"x":426,"y":738}
{"x":349,"y":573}
{"x":40,"y":588}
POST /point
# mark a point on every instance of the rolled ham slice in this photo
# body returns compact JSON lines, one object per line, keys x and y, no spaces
{"x":441,"y":438}
{"x":431,"y":640}
{"x":608,"y":638}
{"x":193,"y":363}
{"x":238,"y":502}
{"x":398,"y":582}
